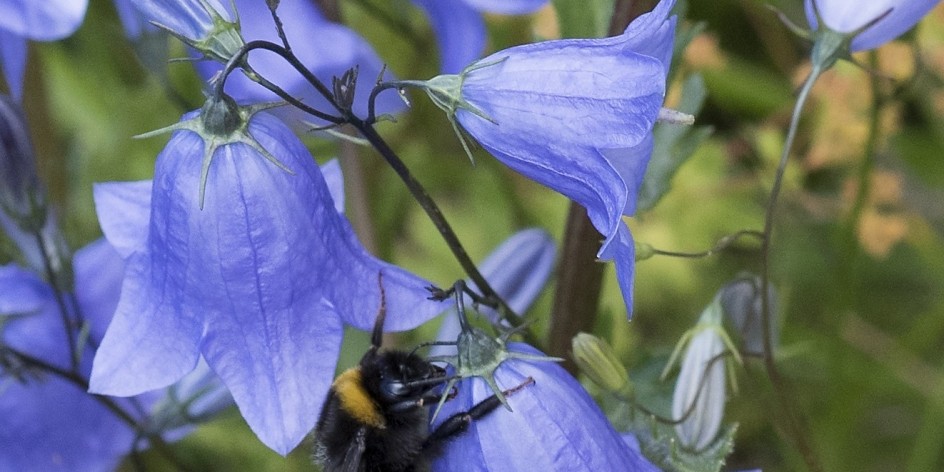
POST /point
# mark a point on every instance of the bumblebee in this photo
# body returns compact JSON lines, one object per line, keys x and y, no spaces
{"x":375,"y":417}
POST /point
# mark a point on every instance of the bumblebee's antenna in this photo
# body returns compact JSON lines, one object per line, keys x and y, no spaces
{"x":377,"y":337}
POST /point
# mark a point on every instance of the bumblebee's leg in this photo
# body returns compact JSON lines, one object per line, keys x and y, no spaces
{"x":426,"y":399}
{"x":459,"y":422}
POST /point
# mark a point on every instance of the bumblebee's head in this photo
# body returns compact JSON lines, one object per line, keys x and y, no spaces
{"x":398,"y":376}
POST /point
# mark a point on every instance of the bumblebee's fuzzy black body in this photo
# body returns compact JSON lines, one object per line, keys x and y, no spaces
{"x":386,"y":432}
{"x":375,"y":417}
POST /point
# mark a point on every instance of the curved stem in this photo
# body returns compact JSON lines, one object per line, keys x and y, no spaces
{"x":67,"y":322}
{"x":770,"y":364}
{"x":371,"y":116}
{"x":437,"y":217}
{"x":240,"y":60}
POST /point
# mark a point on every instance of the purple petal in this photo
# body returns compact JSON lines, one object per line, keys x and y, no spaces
{"x":460,"y":32}
{"x":51,"y":425}
{"x":331,"y":171}
{"x":46,"y":20}
{"x":134,"y":23}
{"x":630,"y":163}
{"x":591,"y":93}
{"x":27,"y":303}
{"x":277,"y":371}
{"x":13,"y":57}
{"x":555,"y":425}
{"x":653,"y":33}
{"x":99,"y":270}
{"x":620,"y":249}
{"x":846,"y":17}
{"x":151,"y":342}
{"x":124,"y":209}
{"x":507,"y":7}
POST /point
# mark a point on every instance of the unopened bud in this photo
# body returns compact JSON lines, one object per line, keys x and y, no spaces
{"x":700,"y":391}
{"x":644,"y":251}
{"x":596,"y":359}
{"x":741,"y":301}
{"x":22,"y":197}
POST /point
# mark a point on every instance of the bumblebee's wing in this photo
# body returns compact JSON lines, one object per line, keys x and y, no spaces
{"x":353,"y":457}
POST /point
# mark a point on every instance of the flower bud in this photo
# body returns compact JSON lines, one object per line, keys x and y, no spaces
{"x":741,"y":301}
{"x":699,"y":394}
{"x":700,"y":391}
{"x":22,"y":197}
{"x":596,"y":359}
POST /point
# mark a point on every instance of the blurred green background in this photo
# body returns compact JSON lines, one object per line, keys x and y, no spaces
{"x":860,"y":286}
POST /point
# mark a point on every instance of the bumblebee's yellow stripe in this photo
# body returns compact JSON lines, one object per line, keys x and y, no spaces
{"x":356,"y":401}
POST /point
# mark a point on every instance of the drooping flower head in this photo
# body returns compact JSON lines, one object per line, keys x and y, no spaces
{"x":574,"y":115}
{"x":23,"y":20}
{"x":53,"y":315}
{"x":870,"y":24}
{"x":238,"y":252}
{"x":554,"y":425}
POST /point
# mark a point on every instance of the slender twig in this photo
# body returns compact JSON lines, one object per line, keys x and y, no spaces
{"x":439,"y":220}
{"x":68,"y":324}
{"x":239,"y":60}
{"x":770,"y":364}
{"x":721,"y":245}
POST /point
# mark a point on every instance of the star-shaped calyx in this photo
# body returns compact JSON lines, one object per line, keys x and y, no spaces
{"x":221,"y":121}
{"x":478,"y":354}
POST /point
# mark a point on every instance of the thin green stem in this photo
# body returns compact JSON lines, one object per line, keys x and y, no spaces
{"x":794,"y":428}
{"x":721,"y":245}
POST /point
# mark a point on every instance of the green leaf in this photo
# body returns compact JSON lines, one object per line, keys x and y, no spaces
{"x":674,"y":144}
{"x":584,"y":18}
{"x":660,"y":445}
